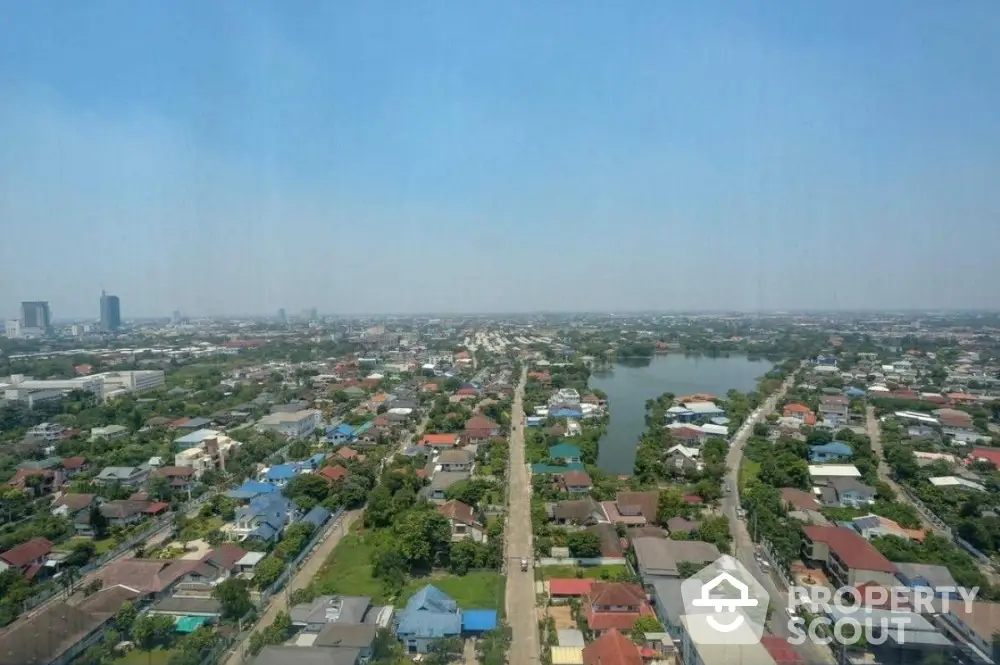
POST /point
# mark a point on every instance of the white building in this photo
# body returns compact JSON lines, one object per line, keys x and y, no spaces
{"x":297,"y":425}
{"x":565,"y":396}
{"x":12,"y":329}
{"x":47,"y":431}
{"x":210,"y":454}
{"x":18,"y":387}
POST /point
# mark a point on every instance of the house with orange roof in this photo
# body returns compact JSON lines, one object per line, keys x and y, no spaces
{"x":799,"y":412}
{"x":439,"y":440}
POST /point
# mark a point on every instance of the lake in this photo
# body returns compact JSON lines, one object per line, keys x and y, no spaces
{"x":628,"y":388}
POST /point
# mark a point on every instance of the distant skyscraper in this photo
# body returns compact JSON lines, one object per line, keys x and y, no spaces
{"x":313,"y":316}
{"x":281,"y":316}
{"x":111,"y":313}
{"x":35,"y":314}
{"x":177,"y":316}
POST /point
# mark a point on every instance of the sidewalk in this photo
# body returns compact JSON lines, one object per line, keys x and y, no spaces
{"x":301,"y":579}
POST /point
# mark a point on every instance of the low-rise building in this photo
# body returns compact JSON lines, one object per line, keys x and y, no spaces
{"x":295,"y":425}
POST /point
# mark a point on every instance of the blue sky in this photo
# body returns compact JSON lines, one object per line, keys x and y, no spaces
{"x":238,"y":157}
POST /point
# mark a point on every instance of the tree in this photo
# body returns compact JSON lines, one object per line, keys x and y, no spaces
{"x":268,"y":571}
{"x":643,"y":625}
{"x":671,"y":505}
{"x":298,"y":450}
{"x":465,"y":555}
{"x":686,"y":569}
{"x":311,"y":485}
{"x":421,"y":535}
{"x":584,"y":544}
{"x":715,"y":530}
{"x":80,"y":553}
{"x":233,"y":595}
{"x":99,"y":523}
{"x":125,"y":617}
{"x":379,"y":512}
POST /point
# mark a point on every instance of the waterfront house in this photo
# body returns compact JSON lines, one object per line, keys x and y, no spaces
{"x":574,"y":482}
{"x":566,"y":452}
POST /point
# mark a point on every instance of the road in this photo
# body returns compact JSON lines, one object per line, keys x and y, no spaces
{"x":310,"y":567}
{"x":520,"y":602}
{"x":885,"y":473}
{"x":312,"y":564}
{"x":743,"y":547}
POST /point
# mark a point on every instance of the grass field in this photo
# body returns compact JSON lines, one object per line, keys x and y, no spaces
{"x":748,"y":472}
{"x":139,"y":657}
{"x":590,"y":572}
{"x":480,"y":590}
{"x":100,"y":546}
{"x":348,"y":570}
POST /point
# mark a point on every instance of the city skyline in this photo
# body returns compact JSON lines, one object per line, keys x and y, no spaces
{"x":503,"y":158}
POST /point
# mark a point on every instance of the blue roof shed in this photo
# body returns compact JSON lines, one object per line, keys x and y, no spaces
{"x":479,"y":621}
{"x":827,"y":451}
{"x":317,"y":517}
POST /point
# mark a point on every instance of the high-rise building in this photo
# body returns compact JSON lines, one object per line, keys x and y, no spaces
{"x":313,"y":316}
{"x":281,"y":316}
{"x":177,"y":316}
{"x":35,"y":314}
{"x":111,"y":313}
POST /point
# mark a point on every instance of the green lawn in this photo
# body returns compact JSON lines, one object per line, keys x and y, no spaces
{"x":748,"y":472}
{"x":199,"y":528}
{"x":348,"y":570}
{"x":139,"y":657}
{"x":481,"y":590}
{"x":100,"y":546}
{"x":590,"y":572}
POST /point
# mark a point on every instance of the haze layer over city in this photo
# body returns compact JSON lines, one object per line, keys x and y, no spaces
{"x":511,"y":333}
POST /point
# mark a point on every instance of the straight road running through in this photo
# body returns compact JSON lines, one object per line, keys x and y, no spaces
{"x":520,"y":602}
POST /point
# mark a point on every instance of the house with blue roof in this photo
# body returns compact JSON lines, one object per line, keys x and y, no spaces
{"x":316,"y":461}
{"x":339,"y":435}
{"x":822,"y":453}
{"x":250,"y":490}
{"x":566,"y":452}
{"x":316,"y":517}
{"x":429,"y":615}
{"x":280,"y":474}
{"x":265,"y":518}
{"x":854,"y":392}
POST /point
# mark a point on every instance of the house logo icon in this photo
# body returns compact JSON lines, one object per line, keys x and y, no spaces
{"x":724,"y":604}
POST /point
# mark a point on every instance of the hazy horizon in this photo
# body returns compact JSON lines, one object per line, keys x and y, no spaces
{"x":379,"y":156}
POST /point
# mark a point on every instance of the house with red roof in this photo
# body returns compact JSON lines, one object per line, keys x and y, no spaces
{"x":570,"y":587}
{"x":847,"y":558}
{"x":439,"y":440}
{"x":347,"y":453}
{"x":334,"y":473}
{"x":74,"y":465}
{"x":612,"y":648}
{"x":988,"y":454}
{"x":688,"y":435}
{"x":480,"y":429}
{"x":615,"y":605}
{"x":27,"y":558}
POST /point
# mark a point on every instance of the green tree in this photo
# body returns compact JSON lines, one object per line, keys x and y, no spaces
{"x":643,"y":625}
{"x":686,"y":569}
{"x":125,"y":617}
{"x":584,"y":544}
{"x":421,"y":535}
{"x":671,"y":505}
{"x":465,"y":555}
{"x":99,"y":523}
{"x":233,"y":595}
